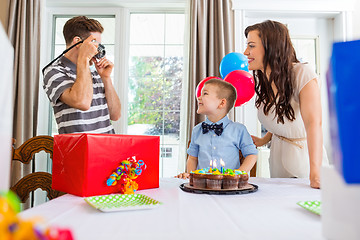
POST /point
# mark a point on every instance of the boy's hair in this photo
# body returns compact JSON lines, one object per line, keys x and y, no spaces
{"x":80,"y":26}
{"x":224,"y":90}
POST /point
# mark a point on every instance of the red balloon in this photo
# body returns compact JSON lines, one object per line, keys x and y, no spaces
{"x":244,"y":84}
{"x":201,"y":85}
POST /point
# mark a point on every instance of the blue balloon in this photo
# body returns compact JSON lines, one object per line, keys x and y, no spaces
{"x":233,"y":61}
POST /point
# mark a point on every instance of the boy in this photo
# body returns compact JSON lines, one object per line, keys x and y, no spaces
{"x":218,"y":137}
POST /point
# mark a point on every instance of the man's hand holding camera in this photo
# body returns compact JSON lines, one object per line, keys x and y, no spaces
{"x":104,"y":67}
{"x":88,"y":49}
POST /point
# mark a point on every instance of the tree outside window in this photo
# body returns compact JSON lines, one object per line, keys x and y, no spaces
{"x":155,"y":80}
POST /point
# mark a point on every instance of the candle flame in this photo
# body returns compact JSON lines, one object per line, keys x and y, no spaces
{"x":222,"y":163}
{"x":210,"y":163}
{"x":214,"y":163}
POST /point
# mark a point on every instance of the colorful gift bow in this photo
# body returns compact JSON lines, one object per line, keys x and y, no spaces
{"x":128,"y":170}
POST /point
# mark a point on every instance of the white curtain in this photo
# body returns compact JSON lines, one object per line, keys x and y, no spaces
{"x":211,"y":38}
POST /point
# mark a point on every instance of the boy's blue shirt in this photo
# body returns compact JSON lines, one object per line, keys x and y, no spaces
{"x":210,"y":146}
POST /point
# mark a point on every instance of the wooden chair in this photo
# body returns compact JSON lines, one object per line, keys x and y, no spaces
{"x":25,"y":153}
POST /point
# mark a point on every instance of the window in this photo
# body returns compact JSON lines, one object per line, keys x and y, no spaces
{"x":155,"y":82}
{"x":166,"y":152}
{"x":307,"y":50}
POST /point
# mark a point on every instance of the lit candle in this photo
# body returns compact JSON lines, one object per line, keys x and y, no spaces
{"x":222,"y":163}
{"x":210,"y":170}
{"x":214,"y":164}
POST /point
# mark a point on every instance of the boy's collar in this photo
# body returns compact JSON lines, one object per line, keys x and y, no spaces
{"x":225,"y":121}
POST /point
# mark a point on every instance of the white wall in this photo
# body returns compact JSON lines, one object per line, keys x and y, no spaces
{"x":6,"y":108}
{"x":356,"y":20}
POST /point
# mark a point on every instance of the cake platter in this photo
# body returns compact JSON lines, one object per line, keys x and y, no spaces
{"x":250,"y":188}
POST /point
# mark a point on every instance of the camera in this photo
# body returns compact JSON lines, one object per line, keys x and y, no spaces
{"x":101,"y":51}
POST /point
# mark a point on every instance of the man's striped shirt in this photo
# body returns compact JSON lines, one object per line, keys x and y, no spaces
{"x":60,"y":76}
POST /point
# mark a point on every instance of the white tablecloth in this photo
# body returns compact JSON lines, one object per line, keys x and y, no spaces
{"x":269,"y":213}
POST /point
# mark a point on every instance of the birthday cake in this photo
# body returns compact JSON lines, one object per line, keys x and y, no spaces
{"x":215,"y":179}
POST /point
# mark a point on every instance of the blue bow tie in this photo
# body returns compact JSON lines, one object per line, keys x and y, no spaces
{"x":218,"y":128}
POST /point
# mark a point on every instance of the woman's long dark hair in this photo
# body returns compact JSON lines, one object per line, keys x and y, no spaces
{"x":279,"y":56}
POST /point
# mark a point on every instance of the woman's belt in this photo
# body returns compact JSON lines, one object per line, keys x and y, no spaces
{"x":292,"y":140}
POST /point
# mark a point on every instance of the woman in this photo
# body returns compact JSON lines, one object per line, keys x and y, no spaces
{"x":288,"y":102}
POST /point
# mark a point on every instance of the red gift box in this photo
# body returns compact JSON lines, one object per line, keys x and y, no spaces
{"x":82,"y":163}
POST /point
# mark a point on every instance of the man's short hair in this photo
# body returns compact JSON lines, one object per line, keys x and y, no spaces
{"x":224,"y":90}
{"x":80,"y":26}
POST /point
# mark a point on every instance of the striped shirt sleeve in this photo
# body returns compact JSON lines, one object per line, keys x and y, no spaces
{"x":56,"y":81}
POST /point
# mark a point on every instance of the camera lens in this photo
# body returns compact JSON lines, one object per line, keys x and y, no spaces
{"x":101,"y":51}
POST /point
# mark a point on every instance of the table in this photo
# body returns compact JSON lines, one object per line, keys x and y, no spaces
{"x":269,"y":213}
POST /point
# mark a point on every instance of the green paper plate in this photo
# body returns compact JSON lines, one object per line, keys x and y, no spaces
{"x":122,"y":202}
{"x":312,"y":206}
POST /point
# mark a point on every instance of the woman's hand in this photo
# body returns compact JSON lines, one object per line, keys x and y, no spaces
{"x":258,"y":141}
{"x":183,"y":176}
{"x":262,"y":141}
{"x":315,"y":183}
{"x":314,"y":179}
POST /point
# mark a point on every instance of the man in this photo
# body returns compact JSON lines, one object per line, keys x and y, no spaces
{"x":84,"y":100}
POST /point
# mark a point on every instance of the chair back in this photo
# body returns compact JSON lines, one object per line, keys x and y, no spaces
{"x":29,"y":183}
